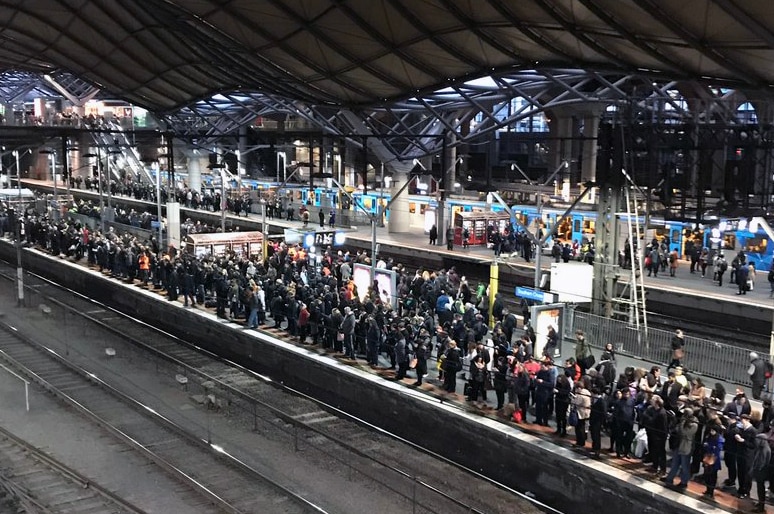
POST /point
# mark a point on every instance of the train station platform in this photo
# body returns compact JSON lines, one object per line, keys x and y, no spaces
{"x":683,"y":283}
{"x":744,"y":322}
{"x":523,"y":456}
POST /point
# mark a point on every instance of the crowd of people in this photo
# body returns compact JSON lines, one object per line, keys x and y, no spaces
{"x":437,"y":328}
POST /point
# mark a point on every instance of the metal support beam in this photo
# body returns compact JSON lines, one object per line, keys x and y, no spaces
{"x":606,"y":252}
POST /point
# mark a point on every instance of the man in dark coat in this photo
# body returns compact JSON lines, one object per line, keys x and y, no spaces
{"x":597,"y":420}
{"x":757,"y":372}
{"x":656,"y":424}
{"x":433,"y":234}
{"x":544,"y":388}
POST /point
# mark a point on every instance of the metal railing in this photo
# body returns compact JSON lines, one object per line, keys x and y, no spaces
{"x":120,"y":228}
{"x":702,"y":356}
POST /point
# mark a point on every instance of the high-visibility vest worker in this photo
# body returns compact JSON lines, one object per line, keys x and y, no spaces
{"x":144,"y":262}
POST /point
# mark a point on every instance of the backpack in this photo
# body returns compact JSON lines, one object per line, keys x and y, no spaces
{"x":768,"y":371}
{"x":723,"y":266}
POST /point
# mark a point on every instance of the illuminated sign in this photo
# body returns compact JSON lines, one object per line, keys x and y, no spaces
{"x":386,"y":282}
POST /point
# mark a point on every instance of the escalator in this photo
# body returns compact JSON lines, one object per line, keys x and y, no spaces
{"x":129,"y":158}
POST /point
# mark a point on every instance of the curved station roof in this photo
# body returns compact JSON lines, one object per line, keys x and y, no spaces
{"x":168,"y":54}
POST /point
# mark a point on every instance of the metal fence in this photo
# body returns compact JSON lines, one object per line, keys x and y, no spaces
{"x":704,"y":357}
{"x":344,"y":217}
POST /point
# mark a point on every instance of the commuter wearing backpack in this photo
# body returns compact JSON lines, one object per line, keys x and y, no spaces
{"x":721,"y":265}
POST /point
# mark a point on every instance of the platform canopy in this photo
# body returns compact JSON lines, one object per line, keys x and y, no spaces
{"x":168,"y":54}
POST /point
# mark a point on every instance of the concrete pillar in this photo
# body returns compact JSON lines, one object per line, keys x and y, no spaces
{"x":562,"y":131}
{"x":194,"y":171}
{"x":173,"y":224}
{"x":39,"y":108}
{"x":399,"y":214}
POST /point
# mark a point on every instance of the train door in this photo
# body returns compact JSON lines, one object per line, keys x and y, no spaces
{"x":577,"y":228}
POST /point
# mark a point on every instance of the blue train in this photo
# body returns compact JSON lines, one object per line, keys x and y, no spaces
{"x":729,"y":236}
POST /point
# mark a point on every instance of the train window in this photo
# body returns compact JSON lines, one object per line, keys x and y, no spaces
{"x":675,"y":235}
{"x":729,"y":241}
{"x":412,"y":207}
{"x":755,"y":244}
{"x":577,"y":226}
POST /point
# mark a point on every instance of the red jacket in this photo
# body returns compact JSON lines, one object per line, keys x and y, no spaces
{"x":303,"y":317}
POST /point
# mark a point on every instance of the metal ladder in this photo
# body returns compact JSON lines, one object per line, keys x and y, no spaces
{"x":633,"y":294}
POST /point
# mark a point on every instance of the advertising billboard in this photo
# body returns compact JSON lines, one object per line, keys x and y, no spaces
{"x":386,"y":280}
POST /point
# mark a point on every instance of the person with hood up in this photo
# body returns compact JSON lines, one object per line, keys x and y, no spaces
{"x":711,"y":451}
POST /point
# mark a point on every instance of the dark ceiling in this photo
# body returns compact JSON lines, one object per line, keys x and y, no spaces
{"x":166,"y":54}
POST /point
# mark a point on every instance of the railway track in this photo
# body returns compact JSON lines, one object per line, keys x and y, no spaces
{"x":225,"y":482}
{"x":39,"y":483}
{"x":416,"y":478}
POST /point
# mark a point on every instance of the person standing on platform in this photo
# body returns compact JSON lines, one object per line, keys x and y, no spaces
{"x":704,"y":261}
{"x":526,"y":248}
{"x":745,"y":454}
{"x":681,"y":458}
{"x":693,"y":253}
{"x":712,"y":447}
{"x":656,"y":424}
{"x":757,"y":372}
{"x":583,"y":354}
{"x":465,"y":237}
{"x":678,"y":349}
{"x":347,"y":328}
{"x":332,"y":219}
{"x":451,"y":363}
{"x":597,"y":418}
{"x":450,"y":238}
{"x":771,"y":281}
{"x":721,"y":265}
{"x":582,"y":403}
{"x":742,"y":274}
{"x":433,"y":235}
{"x":321,"y":216}
{"x":556,"y":251}
{"x":760,"y":469}
{"x":673,"y":262}
{"x":652,"y":260}
{"x":305,"y":217}
{"x":623,"y":413}
{"x":544,"y":388}
{"x":562,"y":392}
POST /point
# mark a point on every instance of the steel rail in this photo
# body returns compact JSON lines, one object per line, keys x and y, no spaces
{"x":159,"y":418}
{"x":279,"y":413}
